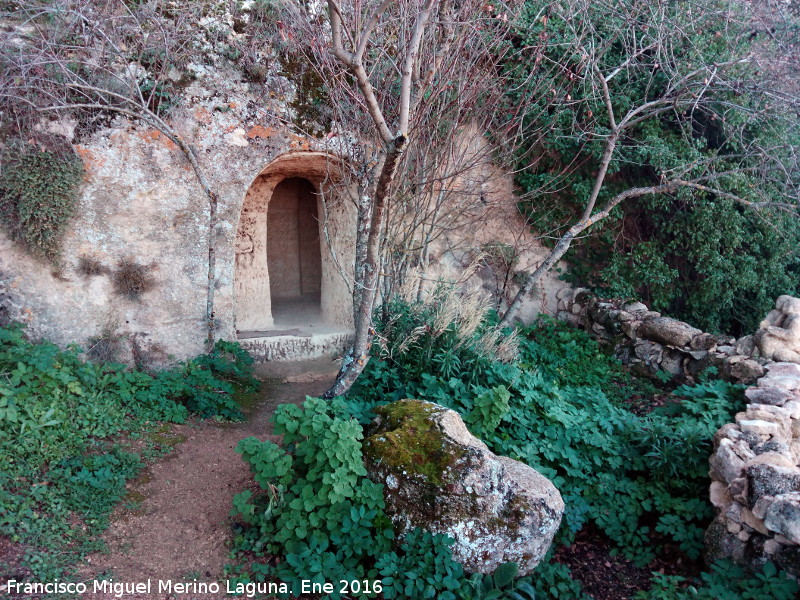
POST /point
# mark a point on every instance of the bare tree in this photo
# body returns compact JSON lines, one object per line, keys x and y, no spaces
{"x":406,"y":80}
{"x":631,"y":72}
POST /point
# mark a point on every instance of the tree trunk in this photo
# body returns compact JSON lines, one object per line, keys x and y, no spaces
{"x":356,"y":359}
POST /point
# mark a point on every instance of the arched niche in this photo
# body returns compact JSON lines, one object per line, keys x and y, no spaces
{"x":295,"y":248}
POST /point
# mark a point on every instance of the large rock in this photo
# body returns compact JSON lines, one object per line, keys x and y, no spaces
{"x":668,"y":331}
{"x":439,"y":477}
{"x":778,"y":338}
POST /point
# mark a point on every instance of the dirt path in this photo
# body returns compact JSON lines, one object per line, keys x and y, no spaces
{"x":178,"y":527}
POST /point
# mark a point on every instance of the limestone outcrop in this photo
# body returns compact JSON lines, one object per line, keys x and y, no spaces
{"x":439,"y":477}
{"x":778,"y":337}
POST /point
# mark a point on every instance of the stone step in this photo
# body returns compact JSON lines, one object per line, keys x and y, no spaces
{"x":287,"y":348}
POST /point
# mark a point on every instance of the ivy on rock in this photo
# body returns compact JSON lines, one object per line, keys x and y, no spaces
{"x":38,"y":195}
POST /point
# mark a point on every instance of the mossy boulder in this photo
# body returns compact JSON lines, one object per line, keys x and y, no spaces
{"x":439,"y":477}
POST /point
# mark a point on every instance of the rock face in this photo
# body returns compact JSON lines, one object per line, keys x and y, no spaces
{"x":439,"y":477}
{"x":779,"y":335}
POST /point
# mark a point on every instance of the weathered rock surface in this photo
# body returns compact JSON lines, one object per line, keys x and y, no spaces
{"x":439,"y":477}
{"x":782,"y":515}
{"x":779,"y":335}
{"x":771,"y":480}
{"x":668,"y":331}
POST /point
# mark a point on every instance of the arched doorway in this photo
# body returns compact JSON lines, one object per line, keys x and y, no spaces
{"x":290,"y":277}
{"x":293,"y":253}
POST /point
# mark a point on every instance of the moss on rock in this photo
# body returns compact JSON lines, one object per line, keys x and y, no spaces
{"x":441,"y":478}
{"x":409,"y":439}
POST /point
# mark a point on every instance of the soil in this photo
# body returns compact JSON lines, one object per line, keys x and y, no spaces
{"x":607,"y":577}
{"x":175,"y":523}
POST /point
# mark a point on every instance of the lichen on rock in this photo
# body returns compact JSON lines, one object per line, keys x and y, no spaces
{"x":439,"y":477}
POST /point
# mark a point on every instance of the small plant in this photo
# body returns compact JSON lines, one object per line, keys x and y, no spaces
{"x":132,"y":279}
{"x":423,"y":568}
{"x":725,"y":581}
{"x":503,"y":584}
{"x":106,"y":347}
{"x":91,"y":267}
{"x":38,"y":194}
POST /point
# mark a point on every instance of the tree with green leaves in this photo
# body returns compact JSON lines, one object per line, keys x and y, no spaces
{"x":662,"y":102}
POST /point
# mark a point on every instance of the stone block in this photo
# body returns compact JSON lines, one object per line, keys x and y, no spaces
{"x":783,"y":516}
{"x":769,"y":395}
{"x":771,"y":480}
{"x":668,"y":331}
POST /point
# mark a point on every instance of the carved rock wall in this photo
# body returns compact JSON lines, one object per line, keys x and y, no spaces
{"x":140,"y":201}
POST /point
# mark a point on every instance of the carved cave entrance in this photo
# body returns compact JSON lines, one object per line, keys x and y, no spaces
{"x":293,"y":254}
{"x":286,"y":281}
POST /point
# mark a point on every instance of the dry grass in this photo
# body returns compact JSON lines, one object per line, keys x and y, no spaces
{"x":91,"y":267}
{"x":459,"y":313}
{"x":132,"y":279}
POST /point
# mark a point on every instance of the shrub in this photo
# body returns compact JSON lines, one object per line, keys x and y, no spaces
{"x":642,"y":480}
{"x":38,"y":193}
{"x":563,"y":408}
{"x":550,"y":409}
{"x":696,"y":255}
{"x":132,"y":279}
{"x":91,"y":267}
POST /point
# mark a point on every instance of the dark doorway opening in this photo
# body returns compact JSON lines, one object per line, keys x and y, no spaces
{"x":294,"y":259}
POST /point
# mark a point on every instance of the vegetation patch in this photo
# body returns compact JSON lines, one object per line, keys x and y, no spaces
{"x":699,"y":255}
{"x":107,"y":347}
{"x":132,"y":279}
{"x":68,"y":431}
{"x":38,"y":194}
{"x":565,"y":408}
{"x":320,"y":516}
{"x":91,"y":267}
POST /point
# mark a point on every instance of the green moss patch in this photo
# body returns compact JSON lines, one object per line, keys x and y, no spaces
{"x":409,"y":440}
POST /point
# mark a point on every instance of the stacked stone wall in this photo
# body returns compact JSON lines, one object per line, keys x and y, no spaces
{"x":755,"y":467}
{"x":650,"y":342}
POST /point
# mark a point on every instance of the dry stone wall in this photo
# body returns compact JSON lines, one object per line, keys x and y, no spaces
{"x":646,"y":340}
{"x":755,"y":476}
{"x":755,"y":467}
